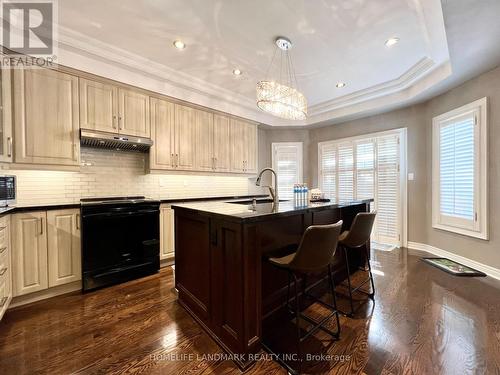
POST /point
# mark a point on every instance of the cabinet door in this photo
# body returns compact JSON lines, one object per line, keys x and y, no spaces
{"x":29,"y":252}
{"x":238,"y":152}
{"x":221,"y":143}
{"x":161,"y":154}
{"x":64,"y":257}
{"x":184,"y":137}
{"x":5,"y":114}
{"x":133,"y":117}
{"x":250,"y":143}
{"x":5,"y":265}
{"x":166,"y":232}
{"x":46,"y":117}
{"x":98,"y":106}
{"x":204,"y":141}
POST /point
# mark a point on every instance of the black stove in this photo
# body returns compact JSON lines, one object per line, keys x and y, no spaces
{"x":120,"y":240}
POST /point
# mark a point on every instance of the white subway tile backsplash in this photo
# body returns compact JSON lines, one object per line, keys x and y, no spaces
{"x":112,"y":173}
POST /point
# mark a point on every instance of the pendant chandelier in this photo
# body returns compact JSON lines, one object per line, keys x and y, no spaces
{"x":281,"y":98}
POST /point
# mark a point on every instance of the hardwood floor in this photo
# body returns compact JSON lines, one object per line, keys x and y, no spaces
{"x":423,"y":321}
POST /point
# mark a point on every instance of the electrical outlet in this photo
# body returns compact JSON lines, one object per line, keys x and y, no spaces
{"x":411,"y":176}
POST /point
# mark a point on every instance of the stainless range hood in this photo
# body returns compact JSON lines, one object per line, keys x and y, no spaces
{"x":91,"y":138}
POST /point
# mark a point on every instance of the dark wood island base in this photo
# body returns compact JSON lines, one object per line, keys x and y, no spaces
{"x":221,"y":274}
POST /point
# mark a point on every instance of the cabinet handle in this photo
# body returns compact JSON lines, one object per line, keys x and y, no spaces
{"x":172,"y":161}
{"x":75,"y":157}
{"x":215,"y":163}
{"x":77,"y":219}
{"x":2,"y":301}
{"x":41,"y":225}
{"x":9,"y":146}
{"x":3,"y":249}
{"x":2,"y":271}
{"x":114,"y":121}
{"x":120,"y":127}
{"x":176,"y":160}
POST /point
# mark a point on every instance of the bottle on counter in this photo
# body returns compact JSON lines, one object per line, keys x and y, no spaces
{"x":306,"y":195}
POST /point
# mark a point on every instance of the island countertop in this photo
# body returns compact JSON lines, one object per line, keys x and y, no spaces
{"x":239,"y":211}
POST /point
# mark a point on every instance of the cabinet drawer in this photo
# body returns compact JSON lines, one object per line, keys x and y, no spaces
{"x":4,"y":233}
{"x":4,"y":259}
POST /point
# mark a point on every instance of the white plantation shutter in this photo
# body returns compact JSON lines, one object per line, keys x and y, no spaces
{"x":459,"y":169}
{"x":345,"y":172}
{"x":387,"y":201}
{"x":365,"y":168}
{"x":287,"y":162}
{"x":328,"y":171}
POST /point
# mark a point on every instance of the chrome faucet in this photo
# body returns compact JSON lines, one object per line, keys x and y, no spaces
{"x":272,"y":191}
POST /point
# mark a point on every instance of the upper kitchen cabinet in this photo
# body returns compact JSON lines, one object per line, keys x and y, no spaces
{"x":109,"y":108}
{"x":98,"y":106}
{"x":212,"y":142}
{"x":243,"y":146}
{"x":5,"y":115}
{"x":46,"y":117}
{"x":162,"y":153}
{"x":185,"y":118}
{"x":133,"y":113}
{"x":173,"y":133}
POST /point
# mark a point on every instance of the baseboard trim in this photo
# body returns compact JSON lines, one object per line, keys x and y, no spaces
{"x":490,"y":271}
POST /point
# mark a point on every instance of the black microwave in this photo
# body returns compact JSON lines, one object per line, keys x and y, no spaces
{"x":7,"y":190}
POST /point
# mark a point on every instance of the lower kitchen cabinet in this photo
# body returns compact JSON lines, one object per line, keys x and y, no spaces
{"x":5,"y":265}
{"x":63,"y":240}
{"x":167,"y":242}
{"x":46,"y":249}
{"x":29,"y":252}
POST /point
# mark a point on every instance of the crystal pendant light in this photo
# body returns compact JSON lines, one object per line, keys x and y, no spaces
{"x":282,"y":99}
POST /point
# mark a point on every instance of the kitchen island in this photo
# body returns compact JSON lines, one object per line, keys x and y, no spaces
{"x":221,"y":272}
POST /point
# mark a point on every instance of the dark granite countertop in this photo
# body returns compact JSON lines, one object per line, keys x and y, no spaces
{"x":62,"y":206}
{"x":234,"y":211}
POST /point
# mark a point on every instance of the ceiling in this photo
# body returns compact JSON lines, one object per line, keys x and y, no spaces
{"x":333,"y":41}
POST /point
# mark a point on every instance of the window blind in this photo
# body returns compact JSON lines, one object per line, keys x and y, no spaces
{"x":456,"y":150}
{"x":388,"y":191}
{"x":287,"y":162}
{"x":363,"y":169}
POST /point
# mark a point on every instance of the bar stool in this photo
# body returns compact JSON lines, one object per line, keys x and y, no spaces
{"x":314,"y":254}
{"x":358,"y":235}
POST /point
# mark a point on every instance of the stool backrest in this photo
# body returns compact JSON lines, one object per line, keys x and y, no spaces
{"x":361,"y":229}
{"x":316,"y":248}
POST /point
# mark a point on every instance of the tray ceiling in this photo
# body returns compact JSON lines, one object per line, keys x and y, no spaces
{"x":333,"y":41}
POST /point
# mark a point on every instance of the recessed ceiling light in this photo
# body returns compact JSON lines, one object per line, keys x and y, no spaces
{"x":179,"y":44}
{"x":339,"y":85}
{"x":237,"y":72}
{"x":391,"y":41}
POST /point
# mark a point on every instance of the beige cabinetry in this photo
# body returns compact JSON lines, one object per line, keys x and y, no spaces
{"x":243,"y":146}
{"x":167,"y":243}
{"x":63,"y":245}
{"x":29,"y":252}
{"x":46,"y":117}
{"x":6,"y":146}
{"x":5,"y":265}
{"x":133,"y":113}
{"x":173,"y":133}
{"x":109,"y":108}
{"x":98,"y":106}
{"x":212,"y":142}
{"x":45,"y":249}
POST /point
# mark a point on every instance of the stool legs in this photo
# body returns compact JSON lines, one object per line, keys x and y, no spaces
{"x":349,"y":285}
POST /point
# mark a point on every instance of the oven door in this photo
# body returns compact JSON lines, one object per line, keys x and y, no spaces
{"x":119,"y":244}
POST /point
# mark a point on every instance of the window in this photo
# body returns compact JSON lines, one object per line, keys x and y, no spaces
{"x":459,"y":170}
{"x":287,"y":162}
{"x":363,"y":168}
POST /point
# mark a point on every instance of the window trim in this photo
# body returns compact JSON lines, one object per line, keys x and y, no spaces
{"x":480,"y":225}
{"x":300,"y":146}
